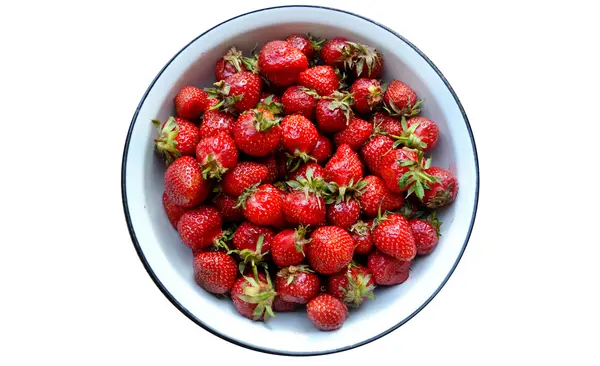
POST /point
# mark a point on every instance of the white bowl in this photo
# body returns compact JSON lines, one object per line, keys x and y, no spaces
{"x":169,"y":262}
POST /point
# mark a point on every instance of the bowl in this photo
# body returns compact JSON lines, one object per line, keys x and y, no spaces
{"x":169,"y":262}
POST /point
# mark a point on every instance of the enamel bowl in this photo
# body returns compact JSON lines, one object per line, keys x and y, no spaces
{"x":169,"y":262}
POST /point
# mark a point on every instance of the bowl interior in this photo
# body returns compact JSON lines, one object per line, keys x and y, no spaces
{"x":171,"y":262}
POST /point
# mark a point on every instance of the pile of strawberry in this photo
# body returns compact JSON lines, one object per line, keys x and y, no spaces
{"x":277,"y":215}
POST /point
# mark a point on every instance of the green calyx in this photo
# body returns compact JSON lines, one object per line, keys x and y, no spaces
{"x":274,"y":107}
{"x":433,"y":220}
{"x":308,"y":184}
{"x":342,"y":101}
{"x":166,"y":143}
{"x":357,"y":289}
{"x":315,"y":43}
{"x":260,"y":293}
{"x":251,"y":63}
{"x":212,"y":168}
{"x":361,"y":228}
{"x":362,"y":56}
{"x":336,"y":193}
{"x":289,"y":273}
{"x":252,"y":258}
{"x":375,"y":95}
{"x":221,"y":93}
{"x":416,"y":179}
{"x":408,"y":137}
{"x":407,"y":210}
{"x":246,"y":195}
{"x":342,"y":79}
{"x":226,"y":236}
{"x":408,"y":111}
{"x":300,"y":238}
{"x":310,"y":92}
{"x":294,"y":161}
{"x":235,"y":58}
{"x":263,"y":123}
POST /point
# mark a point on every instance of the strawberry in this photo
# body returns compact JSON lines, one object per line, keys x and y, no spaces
{"x":441,"y":192}
{"x":353,"y":285}
{"x":248,"y":234}
{"x":401,"y":100}
{"x":330,"y":250}
{"x":298,"y":136}
{"x":344,"y":170}
{"x":426,"y":233}
{"x":321,"y":79}
{"x":226,"y":205}
{"x":375,"y":195}
{"x":190,"y":102}
{"x":343,"y":213}
{"x":230,"y":64}
{"x":215,"y":272}
{"x":216,"y":155}
{"x":405,"y":171}
{"x":327,"y":312}
{"x":386,"y":123}
{"x":173,"y":211}
{"x":184,"y":183}
{"x":270,"y":162}
{"x":335,"y":51}
{"x":392,"y":236}
{"x":361,"y":233}
{"x":253,"y":297}
{"x":283,"y":306}
{"x":411,"y":208}
{"x":270,"y":102}
{"x":215,"y":122}
{"x":304,"y":205}
{"x":288,"y":247}
{"x":373,"y":151}
{"x":281,"y":63}
{"x":178,"y":137}
{"x":317,"y":171}
{"x":299,"y":100}
{"x":367,"y":93}
{"x":297,"y":284}
{"x":323,"y":149}
{"x":388,"y":270}
{"x":240,"y":92}
{"x":257,"y":132}
{"x":198,"y":228}
{"x":262,"y":205}
{"x":244,"y":175}
{"x":365,"y":61}
{"x":307,"y":45}
{"x":418,"y":133}
{"x":333,"y":112}
{"x":355,"y":134}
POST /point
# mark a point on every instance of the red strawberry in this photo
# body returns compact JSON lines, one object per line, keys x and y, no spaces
{"x":344,"y":170}
{"x":281,"y":63}
{"x":387,"y":124}
{"x":426,"y":233}
{"x":198,"y":228}
{"x":441,"y":192}
{"x":262,"y":205}
{"x":177,"y":137}
{"x":373,"y":151}
{"x":307,"y":45}
{"x":304,"y":205}
{"x":230,"y":64}
{"x":366,"y":61}
{"x":401,"y":100}
{"x":327,"y":312}
{"x":173,"y":211}
{"x":299,"y":100}
{"x":395,"y":164}
{"x":226,"y":205}
{"x":288,"y":247}
{"x":216,"y":155}
{"x":388,"y":270}
{"x":270,"y":102}
{"x":322,"y":79}
{"x":335,"y":52}
{"x":393,"y":236}
{"x":343,"y":213}
{"x":184,"y":183}
{"x":240,"y":91}
{"x":215,"y":122}
{"x":247,"y":236}
{"x":355,"y":135}
{"x":270,"y":162}
{"x":323,"y":149}
{"x":298,"y":136}
{"x":317,"y":171}
{"x":244,"y":175}
{"x":190,"y":102}
{"x":257,"y":132}
{"x":215,"y":272}
{"x":376,"y":195}
{"x":253,"y":297}
{"x":283,"y":306}
{"x":367,"y":94}
{"x":418,"y":133}
{"x":361,"y":233}
{"x":330,"y":250}
{"x":352,"y":285}
{"x":297,"y":284}
{"x":333,"y":112}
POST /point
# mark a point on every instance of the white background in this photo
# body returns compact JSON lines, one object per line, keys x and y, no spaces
{"x":75,"y":293}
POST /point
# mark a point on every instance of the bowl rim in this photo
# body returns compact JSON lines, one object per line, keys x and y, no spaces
{"x":215,"y":332}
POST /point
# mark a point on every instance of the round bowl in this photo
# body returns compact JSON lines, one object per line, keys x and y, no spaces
{"x":169,"y":262}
